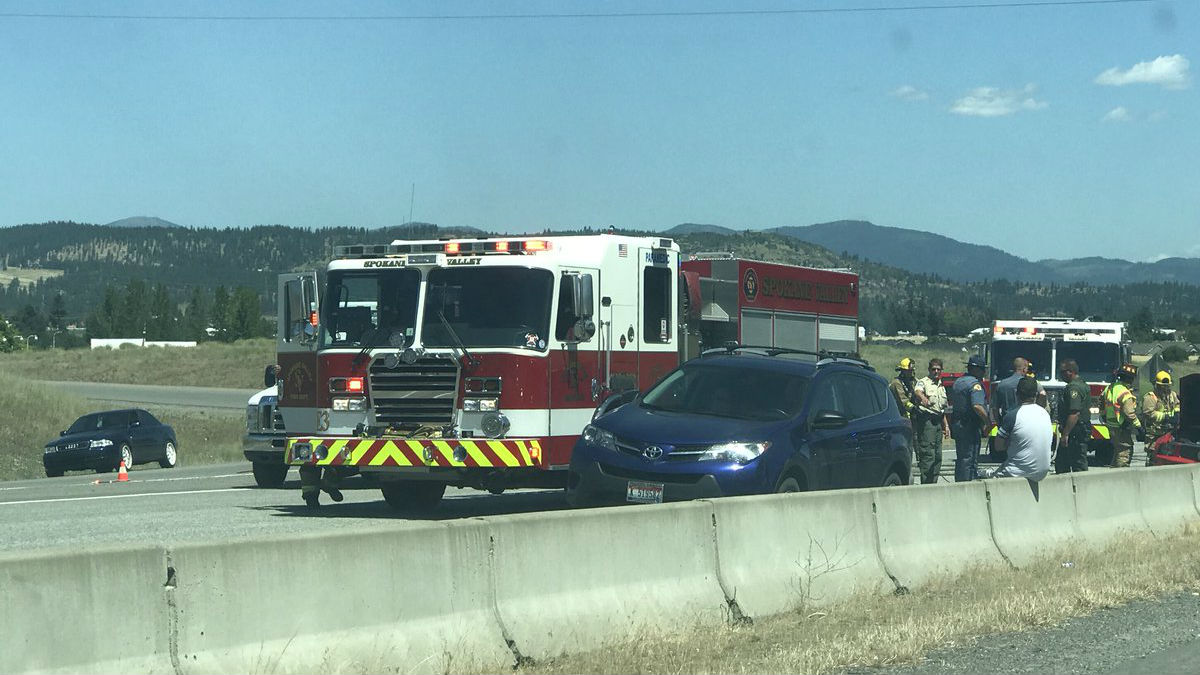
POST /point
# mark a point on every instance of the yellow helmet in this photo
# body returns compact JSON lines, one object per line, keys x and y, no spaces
{"x":905,"y":364}
{"x":1163,"y":377}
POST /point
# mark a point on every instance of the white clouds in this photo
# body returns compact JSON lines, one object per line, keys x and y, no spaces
{"x":994,"y":102}
{"x":1117,"y":114}
{"x":1169,"y":72}
{"x":910,"y":93}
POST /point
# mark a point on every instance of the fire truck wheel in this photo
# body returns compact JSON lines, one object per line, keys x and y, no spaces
{"x":412,"y":495}
{"x":269,"y":475}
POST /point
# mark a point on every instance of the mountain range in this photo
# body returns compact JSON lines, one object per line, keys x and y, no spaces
{"x":953,"y":260}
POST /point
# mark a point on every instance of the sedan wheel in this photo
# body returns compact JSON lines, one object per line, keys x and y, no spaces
{"x":127,"y":456}
{"x":169,"y":456}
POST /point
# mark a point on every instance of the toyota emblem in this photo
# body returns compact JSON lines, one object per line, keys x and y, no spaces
{"x":652,"y":452}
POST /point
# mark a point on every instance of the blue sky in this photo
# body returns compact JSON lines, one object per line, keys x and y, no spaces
{"x":1046,"y":131}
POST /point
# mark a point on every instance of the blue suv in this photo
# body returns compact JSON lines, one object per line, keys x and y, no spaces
{"x":741,"y":421}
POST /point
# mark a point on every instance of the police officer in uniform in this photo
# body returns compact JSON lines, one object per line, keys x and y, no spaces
{"x":929,"y":422}
{"x":902,"y":387}
{"x":1160,"y":411}
{"x":1074,"y":425}
{"x":1120,"y":414}
{"x":970,"y":420}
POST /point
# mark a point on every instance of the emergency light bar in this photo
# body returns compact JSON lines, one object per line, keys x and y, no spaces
{"x":448,"y":247}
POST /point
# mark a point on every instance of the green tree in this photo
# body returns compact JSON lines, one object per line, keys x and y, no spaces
{"x":220,"y":315}
{"x":164,"y":315}
{"x":195,"y":318}
{"x":10,"y":339}
{"x":245,"y":316}
{"x":58,"y":312}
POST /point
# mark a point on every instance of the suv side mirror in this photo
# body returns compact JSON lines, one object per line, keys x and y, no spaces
{"x":830,"y":419}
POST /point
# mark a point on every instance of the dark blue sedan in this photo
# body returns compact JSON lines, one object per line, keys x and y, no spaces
{"x":745,"y":421}
{"x":101,"y":441}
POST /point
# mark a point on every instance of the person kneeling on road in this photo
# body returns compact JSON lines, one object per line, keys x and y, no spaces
{"x":1026,"y":433}
{"x":312,"y":482}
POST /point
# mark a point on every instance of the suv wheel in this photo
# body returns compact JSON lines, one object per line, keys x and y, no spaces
{"x":892,"y":480}
{"x":790,"y":484}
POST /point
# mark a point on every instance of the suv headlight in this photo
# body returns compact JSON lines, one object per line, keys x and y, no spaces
{"x":596,"y":436}
{"x":742,"y":453}
{"x":100,"y":443}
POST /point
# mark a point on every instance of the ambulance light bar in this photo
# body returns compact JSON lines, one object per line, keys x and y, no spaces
{"x":517,"y":246}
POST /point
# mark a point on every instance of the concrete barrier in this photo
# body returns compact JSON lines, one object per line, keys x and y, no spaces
{"x":577,"y":580}
{"x":931,"y":530}
{"x":98,"y":611}
{"x":1107,"y":504}
{"x":1032,"y":520}
{"x":1168,"y":497}
{"x":416,"y":599}
{"x":781,"y":552}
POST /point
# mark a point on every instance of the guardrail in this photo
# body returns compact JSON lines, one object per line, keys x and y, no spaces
{"x":485,"y":593}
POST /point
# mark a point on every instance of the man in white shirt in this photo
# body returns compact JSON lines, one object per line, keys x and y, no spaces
{"x":1026,"y":433}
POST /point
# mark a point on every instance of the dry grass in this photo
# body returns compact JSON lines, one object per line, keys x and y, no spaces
{"x":32,"y":414}
{"x":211,"y":364}
{"x":27,"y":275}
{"x":883,"y":630}
{"x":885,"y":357}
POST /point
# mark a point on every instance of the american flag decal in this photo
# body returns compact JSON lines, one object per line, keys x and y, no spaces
{"x":622,"y":250}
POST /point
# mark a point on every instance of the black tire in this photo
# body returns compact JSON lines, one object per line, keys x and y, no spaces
{"x":269,"y":474}
{"x":126,"y":456}
{"x":790,"y":484}
{"x":170,"y":455}
{"x":1104,"y":453}
{"x":53,"y":474}
{"x":412,"y":495}
{"x":892,"y":480}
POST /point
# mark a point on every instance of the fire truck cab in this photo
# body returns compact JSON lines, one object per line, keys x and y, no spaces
{"x":1099,"y":347}
{"x":477,"y":362}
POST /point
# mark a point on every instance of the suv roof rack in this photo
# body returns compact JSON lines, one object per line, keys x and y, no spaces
{"x":824,"y":357}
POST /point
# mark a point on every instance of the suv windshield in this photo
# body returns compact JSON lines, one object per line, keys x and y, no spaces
{"x":1097,"y":360}
{"x":488,"y":307}
{"x":360,"y":301}
{"x":727,"y":391}
{"x":1037,"y":352}
{"x":100,"y":421}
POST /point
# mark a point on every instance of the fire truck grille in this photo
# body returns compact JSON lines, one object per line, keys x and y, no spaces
{"x":416,"y":394}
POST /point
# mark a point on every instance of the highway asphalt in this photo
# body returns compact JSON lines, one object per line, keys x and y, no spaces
{"x":208,"y":503}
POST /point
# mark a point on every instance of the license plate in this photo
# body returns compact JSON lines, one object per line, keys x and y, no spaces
{"x":644,"y":493}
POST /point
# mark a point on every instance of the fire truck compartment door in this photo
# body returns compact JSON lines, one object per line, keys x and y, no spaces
{"x":297,"y":327}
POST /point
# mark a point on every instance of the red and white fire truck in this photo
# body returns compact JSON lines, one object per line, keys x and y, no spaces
{"x":477,"y":362}
{"x":1099,"y":347}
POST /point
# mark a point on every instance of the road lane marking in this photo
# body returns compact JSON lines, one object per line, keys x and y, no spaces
{"x":140,"y":494}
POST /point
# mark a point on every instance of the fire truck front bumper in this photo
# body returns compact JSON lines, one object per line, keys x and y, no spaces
{"x":424,"y":452}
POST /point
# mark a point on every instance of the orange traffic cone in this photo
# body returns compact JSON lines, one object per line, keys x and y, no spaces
{"x":122,"y":474}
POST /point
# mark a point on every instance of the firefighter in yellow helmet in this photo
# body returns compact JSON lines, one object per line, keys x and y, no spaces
{"x":902,"y":386}
{"x":1121,"y":414}
{"x":1160,"y":411}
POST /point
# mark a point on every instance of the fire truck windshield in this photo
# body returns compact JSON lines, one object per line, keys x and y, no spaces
{"x":1097,"y":360}
{"x":1035,"y":351}
{"x":360,"y":301}
{"x":488,"y":307}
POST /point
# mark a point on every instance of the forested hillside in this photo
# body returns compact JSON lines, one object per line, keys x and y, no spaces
{"x":104,"y":267}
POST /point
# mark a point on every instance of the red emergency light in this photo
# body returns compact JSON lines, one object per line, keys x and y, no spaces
{"x":452,"y":247}
{"x":502,"y":247}
{"x":533,"y":245}
{"x":353,"y":385}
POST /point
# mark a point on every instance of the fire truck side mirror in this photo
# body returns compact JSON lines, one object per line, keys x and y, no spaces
{"x":581,"y":298}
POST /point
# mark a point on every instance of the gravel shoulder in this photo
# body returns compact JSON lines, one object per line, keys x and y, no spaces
{"x":1146,"y":636}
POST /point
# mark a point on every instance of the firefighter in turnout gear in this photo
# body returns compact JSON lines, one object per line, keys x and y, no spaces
{"x":312,"y":482}
{"x":1160,"y":411}
{"x":902,"y":387}
{"x":1121,"y":414}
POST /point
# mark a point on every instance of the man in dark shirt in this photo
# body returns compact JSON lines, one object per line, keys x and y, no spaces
{"x":1074,"y":423}
{"x":970,"y":419}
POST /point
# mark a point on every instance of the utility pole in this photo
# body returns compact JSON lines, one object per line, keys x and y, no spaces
{"x":411,"y":198}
